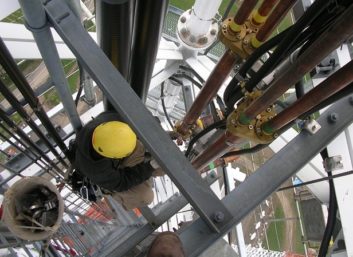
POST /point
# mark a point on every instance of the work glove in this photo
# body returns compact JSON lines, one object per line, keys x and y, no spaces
{"x":158,"y":172}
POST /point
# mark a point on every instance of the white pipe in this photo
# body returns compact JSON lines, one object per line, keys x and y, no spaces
{"x":201,"y":17}
{"x":87,"y":12}
{"x":230,"y":172}
{"x":240,"y":240}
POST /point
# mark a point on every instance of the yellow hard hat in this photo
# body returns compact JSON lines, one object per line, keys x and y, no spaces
{"x":114,"y":139}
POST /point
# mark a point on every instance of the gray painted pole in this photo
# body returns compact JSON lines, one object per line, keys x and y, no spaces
{"x":85,"y":80}
{"x":36,"y":22}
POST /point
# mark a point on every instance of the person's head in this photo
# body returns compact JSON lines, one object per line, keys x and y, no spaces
{"x":114,"y":139}
{"x":166,"y":244}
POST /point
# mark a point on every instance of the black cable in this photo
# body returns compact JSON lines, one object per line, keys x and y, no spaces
{"x":186,"y":76}
{"x":172,"y":78}
{"x":163,"y":106}
{"x":81,"y":83}
{"x":264,"y":48}
{"x":216,"y":125}
{"x":332,"y":212}
{"x":299,"y":88}
{"x":233,"y":92}
{"x":198,"y":84}
{"x":17,"y":77}
{"x":290,"y":39}
{"x":221,"y":104}
{"x":26,"y":139}
{"x":245,"y":151}
{"x":214,"y":112}
{"x":228,"y":9}
{"x":35,"y":159}
{"x":317,"y":180}
{"x":186,"y":68}
{"x":226,"y":192}
{"x":22,"y":112}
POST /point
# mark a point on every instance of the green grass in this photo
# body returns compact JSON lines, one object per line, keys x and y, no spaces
{"x":187,"y":4}
{"x":51,"y":97}
{"x":299,"y":247}
{"x":182,"y":4}
{"x":275,"y":232}
{"x":15,"y":17}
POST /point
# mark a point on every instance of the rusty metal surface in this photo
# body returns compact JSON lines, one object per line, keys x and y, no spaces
{"x":340,"y":31}
{"x":209,"y":90}
{"x":221,"y":146}
{"x":266,"y":7}
{"x":244,"y":11}
{"x":274,"y":19}
{"x":339,"y":80}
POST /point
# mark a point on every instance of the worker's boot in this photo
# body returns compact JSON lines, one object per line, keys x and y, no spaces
{"x":166,"y":244}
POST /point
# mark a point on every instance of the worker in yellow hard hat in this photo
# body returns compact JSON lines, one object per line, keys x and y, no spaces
{"x":109,"y":154}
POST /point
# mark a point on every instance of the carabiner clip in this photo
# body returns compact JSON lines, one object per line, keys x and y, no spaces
{"x":84,"y":192}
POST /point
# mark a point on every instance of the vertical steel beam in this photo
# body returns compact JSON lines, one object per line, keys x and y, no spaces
{"x":36,"y":22}
{"x":129,"y":106}
{"x":272,"y":174}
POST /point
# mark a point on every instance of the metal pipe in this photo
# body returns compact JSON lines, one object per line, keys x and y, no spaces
{"x":114,"y":31}
{"x":115,"y":22}
{"x":340,"y":31}
{"x":24,"y":136}
{"x":292,"y":39}
{"x":10,"y":66}
{"x":257,"y":187}
{"x":271,"y":23}
{"x":202,"y":16}
{"x":221,"y":146}
{"x":18,"y":107}
{"x":36,"y":22}
{"x":220,"y":162}
{"x":260,"y":15}
{"x":148,"y":28}
{"x":210,"y":89}
{"x":339,"y":80}
{"x":244,"y":11}
{"x":14,"y":137}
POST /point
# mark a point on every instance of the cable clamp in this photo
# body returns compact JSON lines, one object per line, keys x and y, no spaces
{"x":310,"y":125}
{"x":333,"y":163}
